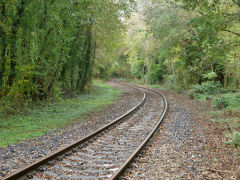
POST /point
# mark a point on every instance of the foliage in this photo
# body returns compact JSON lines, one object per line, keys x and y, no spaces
{"x":192,"y":41}
{"x":235,"y":139}
{"x":232,"y":100}
{"x":156,"y":72}
{"x":208,"y":87}
{"x":49,"y":48}
{"x":221,"y":103}
{"x":210,"y":76}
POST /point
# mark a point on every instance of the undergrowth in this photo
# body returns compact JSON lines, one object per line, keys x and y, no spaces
{"x":226,"y":105}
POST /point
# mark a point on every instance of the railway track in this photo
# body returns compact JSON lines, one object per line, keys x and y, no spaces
{"x":106,"y":153}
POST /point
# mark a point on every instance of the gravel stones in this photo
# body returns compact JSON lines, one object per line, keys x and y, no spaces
{"x":16,"y":156}
{"x":186,"y":147}
{"x":102,"y":156}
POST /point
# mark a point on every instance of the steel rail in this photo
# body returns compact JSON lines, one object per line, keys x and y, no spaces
{"x":27,"y":169}
{"x":126,"y":164}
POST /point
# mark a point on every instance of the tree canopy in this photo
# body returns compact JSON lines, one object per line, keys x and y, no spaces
{"x":49,"y":47}
{"x":188,"y":40}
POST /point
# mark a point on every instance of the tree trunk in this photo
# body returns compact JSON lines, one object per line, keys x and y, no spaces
{"x":72,"y":77}
{"x":39,"y":79}
{"x":2,"y":70}
{"x":16,"y":24}
{"x":238,"y":81}
{"x":143,"y":74}
{"x":88,"y":71}
{"x":54,"y":77}
{"x":84,"y":62}
{"x":52,"y":82}
{"x":12,"y":75}
{"x":3,"y":41}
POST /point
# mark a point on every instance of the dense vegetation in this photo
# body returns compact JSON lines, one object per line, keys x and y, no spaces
{"x":186,"y":42}
{"x":49,"y":47}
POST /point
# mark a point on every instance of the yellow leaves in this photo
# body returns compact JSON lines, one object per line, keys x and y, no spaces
{"x":22,"y":81}
{"x":1,"y":93}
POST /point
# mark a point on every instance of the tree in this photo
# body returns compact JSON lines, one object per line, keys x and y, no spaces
{"x":49,"y":47}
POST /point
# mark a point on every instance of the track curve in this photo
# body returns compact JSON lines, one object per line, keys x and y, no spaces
{"x":138,"y":150}
{"x":102,"y":154}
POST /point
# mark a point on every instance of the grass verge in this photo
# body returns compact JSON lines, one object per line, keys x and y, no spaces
{"x":39,"y":121}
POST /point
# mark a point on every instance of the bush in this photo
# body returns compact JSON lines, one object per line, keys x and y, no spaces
{"x":210,"y":76}
{"x":209,"y":87}
{"x":232,"y":100}
{"x":221,"y":103}
{"x":198,"y":89}
{"x":228,"y":90}
{"x":238,"y":96}
{"x":156,"y":72}
{"x":235,"y":139}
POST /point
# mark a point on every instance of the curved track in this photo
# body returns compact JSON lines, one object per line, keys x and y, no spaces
{"x":106,"y":153}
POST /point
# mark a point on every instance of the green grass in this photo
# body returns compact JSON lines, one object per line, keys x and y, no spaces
{"x":232,"y":99}
{"x":52,"y":116}
{"x":233,"y":122}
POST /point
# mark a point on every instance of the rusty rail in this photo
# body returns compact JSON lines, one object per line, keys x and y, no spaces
{"x":138,"y":150}
{"x":27,"y":169}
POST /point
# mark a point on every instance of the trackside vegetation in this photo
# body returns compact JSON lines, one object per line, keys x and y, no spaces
{"x":190,"y":46}
{"x":40,"y":120}
{"x":48,"y":48}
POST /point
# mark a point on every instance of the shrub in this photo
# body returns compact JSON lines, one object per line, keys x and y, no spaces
{"x":235,"y":139}
{"x":210,"y":76}
{"x":221,"y":103}
{"x":209,"y":87}
{"x":238,"y":96}
{"x":228,"y":90}
{"x":198,"y":89}
{"x":170,"y":83}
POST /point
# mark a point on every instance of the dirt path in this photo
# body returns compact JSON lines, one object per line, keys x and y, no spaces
{"x":186,"y":147}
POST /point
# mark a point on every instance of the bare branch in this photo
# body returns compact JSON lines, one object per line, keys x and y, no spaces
{"x":238,"y":34}
{"x":232,"y":14}
{"x":236,"y":2}
{"x":184,"y":8}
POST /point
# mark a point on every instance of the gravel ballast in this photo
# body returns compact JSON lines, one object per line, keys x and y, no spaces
{"x":18,"y":155}
{"x":101,"y":157}
{"x":186,"y":146}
